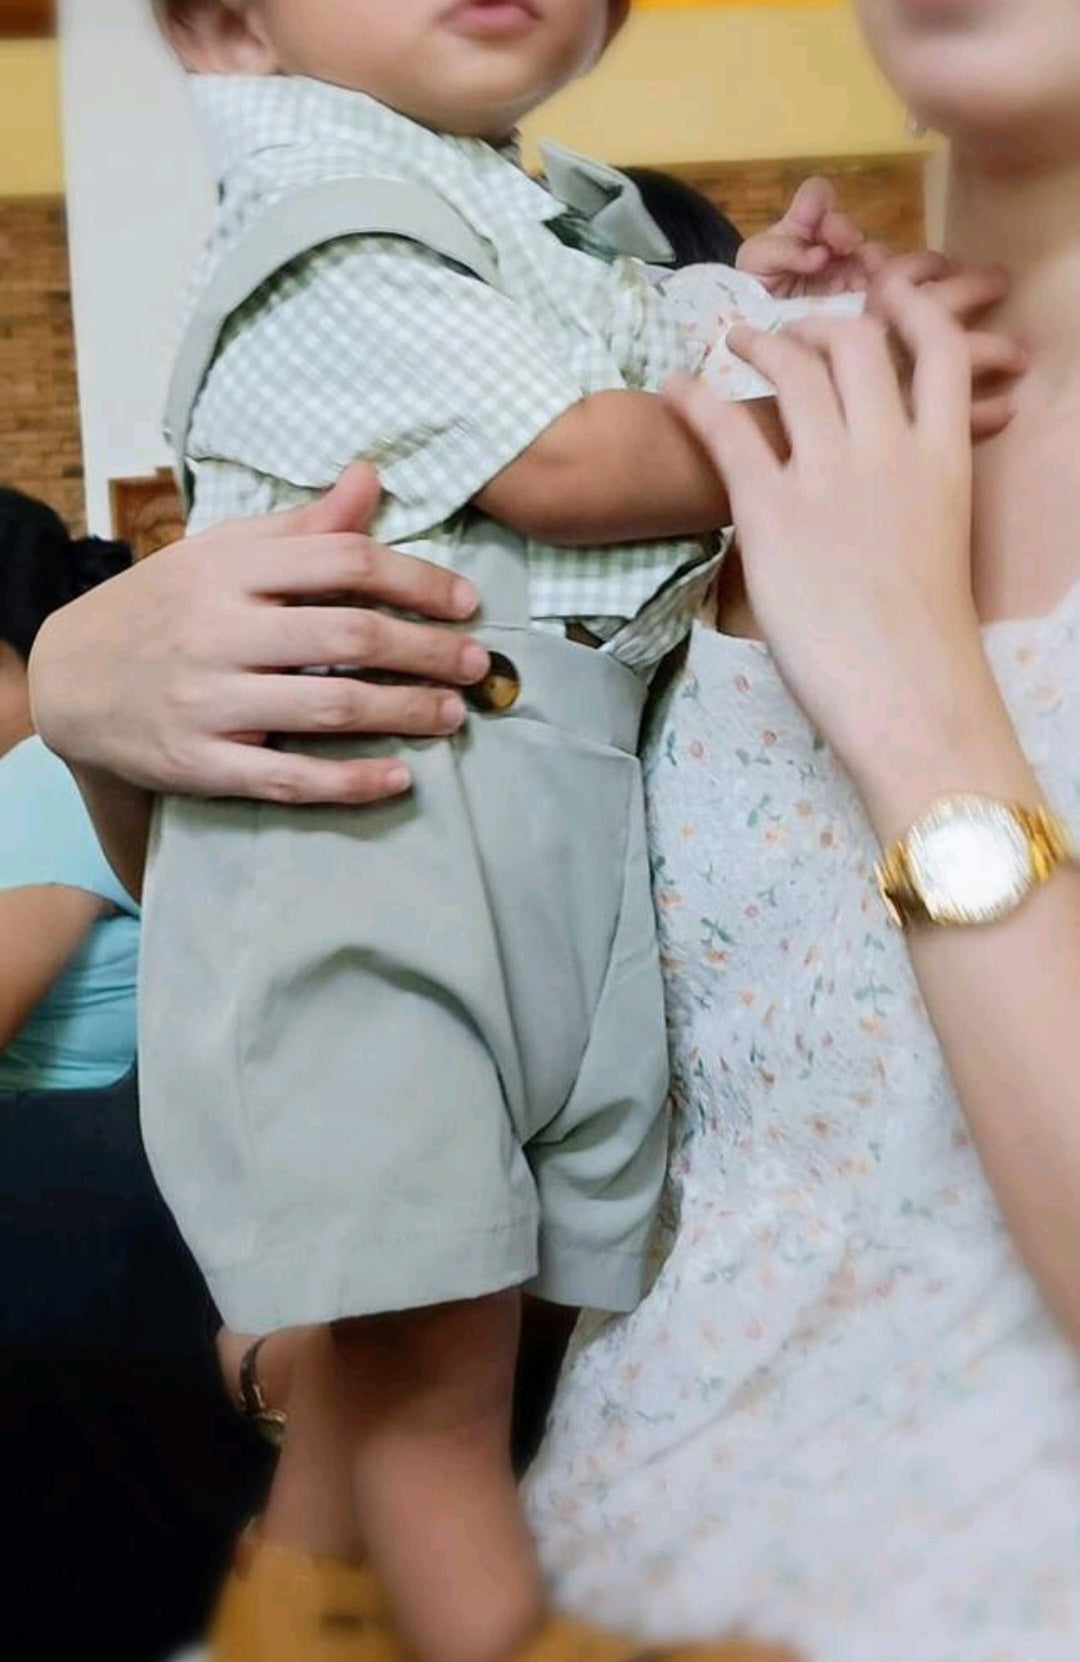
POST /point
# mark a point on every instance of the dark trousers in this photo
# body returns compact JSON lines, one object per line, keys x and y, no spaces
{"x":124,"y":1474}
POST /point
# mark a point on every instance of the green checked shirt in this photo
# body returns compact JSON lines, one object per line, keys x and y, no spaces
{"x":375,"y":347}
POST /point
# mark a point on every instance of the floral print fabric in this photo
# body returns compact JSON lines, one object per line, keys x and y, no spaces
{"x":842,"y":1416}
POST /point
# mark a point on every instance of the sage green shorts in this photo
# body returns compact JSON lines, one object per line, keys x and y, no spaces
{"x":404,"y":1055}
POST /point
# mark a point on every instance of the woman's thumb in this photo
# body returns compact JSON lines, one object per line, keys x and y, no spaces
{"x":348,"y":507}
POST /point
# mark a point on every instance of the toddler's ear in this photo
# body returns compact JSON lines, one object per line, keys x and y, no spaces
{"x":220,"y":37}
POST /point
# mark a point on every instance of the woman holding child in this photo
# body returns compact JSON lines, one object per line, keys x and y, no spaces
{"x":848,"y":1412}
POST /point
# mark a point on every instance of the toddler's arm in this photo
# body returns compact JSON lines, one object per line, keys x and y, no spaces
{"x":454,"y":395}
{"x":615,"y":468}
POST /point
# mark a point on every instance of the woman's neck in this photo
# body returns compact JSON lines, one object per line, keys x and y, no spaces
{"x":1029,"y":222}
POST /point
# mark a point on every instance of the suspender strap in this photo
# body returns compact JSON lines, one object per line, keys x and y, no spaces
{"x":300,"y":223}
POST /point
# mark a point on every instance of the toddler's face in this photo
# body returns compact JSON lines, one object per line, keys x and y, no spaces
{"x":472,"y":67}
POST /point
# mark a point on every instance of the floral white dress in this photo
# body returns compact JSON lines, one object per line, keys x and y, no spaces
{"x":842,"y":1416}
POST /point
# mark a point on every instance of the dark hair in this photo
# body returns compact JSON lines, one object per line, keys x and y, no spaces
{"x":42,"y":567}
{"x":694,"y":225}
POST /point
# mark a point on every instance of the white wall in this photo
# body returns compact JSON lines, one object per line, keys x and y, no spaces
{"x":139,"y":201}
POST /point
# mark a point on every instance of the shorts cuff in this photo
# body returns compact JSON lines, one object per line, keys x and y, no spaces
{"x":576,"y":1273}
{"x":339,"y":1275}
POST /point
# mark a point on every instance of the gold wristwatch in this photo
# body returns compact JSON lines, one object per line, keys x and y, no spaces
{"x":971,"y":859}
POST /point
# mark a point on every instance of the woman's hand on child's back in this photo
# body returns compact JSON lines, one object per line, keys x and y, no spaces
{"x":172,"y":675}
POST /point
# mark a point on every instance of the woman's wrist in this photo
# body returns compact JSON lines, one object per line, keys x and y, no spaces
{"x":941,"y":734}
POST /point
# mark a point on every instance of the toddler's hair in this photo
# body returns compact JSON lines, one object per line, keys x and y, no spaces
{"x":698,"y":231}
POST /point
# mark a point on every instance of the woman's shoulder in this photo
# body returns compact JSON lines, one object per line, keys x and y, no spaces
{"x":46,"y":834}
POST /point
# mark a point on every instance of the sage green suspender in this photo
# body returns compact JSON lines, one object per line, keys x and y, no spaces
{"x":305,"y":220}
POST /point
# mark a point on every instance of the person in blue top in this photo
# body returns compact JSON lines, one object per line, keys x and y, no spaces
{"x":68,"y":932}
{"x":125,"y":1471}
{"x":69,"y":936}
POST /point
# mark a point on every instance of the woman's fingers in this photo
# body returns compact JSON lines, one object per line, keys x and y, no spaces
{"x":808,"y":403}
{"x":318,"y":706}
{"x":941,"y":378}
{"x":994,"y":356}
{"x":320,"y":548}
{"x":991,"y":415}
{"x":349,"y":564}
{"x":728,"y":433}
{"x":965,"y":294}
{"x":349,"y":506}
{"x":870,"y":383}
{"x":923,"y":265}
{"x":229,"y":768}
{"x":341,"y":704}
{"x":857,"y":354}
{"x":298,"y":637}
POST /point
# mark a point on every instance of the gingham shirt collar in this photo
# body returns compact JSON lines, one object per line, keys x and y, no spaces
{"x":248,"y":117}
{"x":297,"y":126}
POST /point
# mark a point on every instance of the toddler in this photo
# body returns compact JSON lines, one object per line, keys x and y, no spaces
{"x":399,"y":1064}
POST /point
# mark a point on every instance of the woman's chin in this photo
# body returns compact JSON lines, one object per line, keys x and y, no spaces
{"x":981,"y":70}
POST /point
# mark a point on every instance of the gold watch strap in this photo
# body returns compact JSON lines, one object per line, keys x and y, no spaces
{"x":1049,"y":841}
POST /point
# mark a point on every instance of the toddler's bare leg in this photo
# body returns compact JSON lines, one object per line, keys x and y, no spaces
{"x":415,"y":1409}
{"x":312,"y":1505}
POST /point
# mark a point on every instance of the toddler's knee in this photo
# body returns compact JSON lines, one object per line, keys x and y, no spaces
{"x":452,"y":1361}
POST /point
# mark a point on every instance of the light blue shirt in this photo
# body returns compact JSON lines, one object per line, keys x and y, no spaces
{"x":82,"y":1034}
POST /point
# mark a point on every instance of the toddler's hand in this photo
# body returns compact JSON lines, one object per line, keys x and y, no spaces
{"x":813,"y":250}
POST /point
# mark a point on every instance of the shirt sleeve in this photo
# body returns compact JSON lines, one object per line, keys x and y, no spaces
{"x":46,"y":835}
{"x":377,"y":348}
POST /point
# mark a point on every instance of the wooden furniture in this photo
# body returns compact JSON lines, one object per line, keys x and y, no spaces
{"x":885,"y":195}
{"x":146,"y":512}
{"x":26,"y":17}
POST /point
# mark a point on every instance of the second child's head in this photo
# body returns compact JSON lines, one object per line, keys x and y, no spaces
{"x":469,"y":67}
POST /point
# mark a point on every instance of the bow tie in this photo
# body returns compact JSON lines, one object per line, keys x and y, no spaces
{"x":606,"y":214}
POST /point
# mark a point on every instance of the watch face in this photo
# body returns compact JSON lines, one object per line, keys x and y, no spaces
{"x":970,"y":861}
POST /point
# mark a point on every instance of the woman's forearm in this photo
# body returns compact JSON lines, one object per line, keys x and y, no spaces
{"x":1005,"y":1004}
{"x":1004,"y":999}
{"x":121,"y":814}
